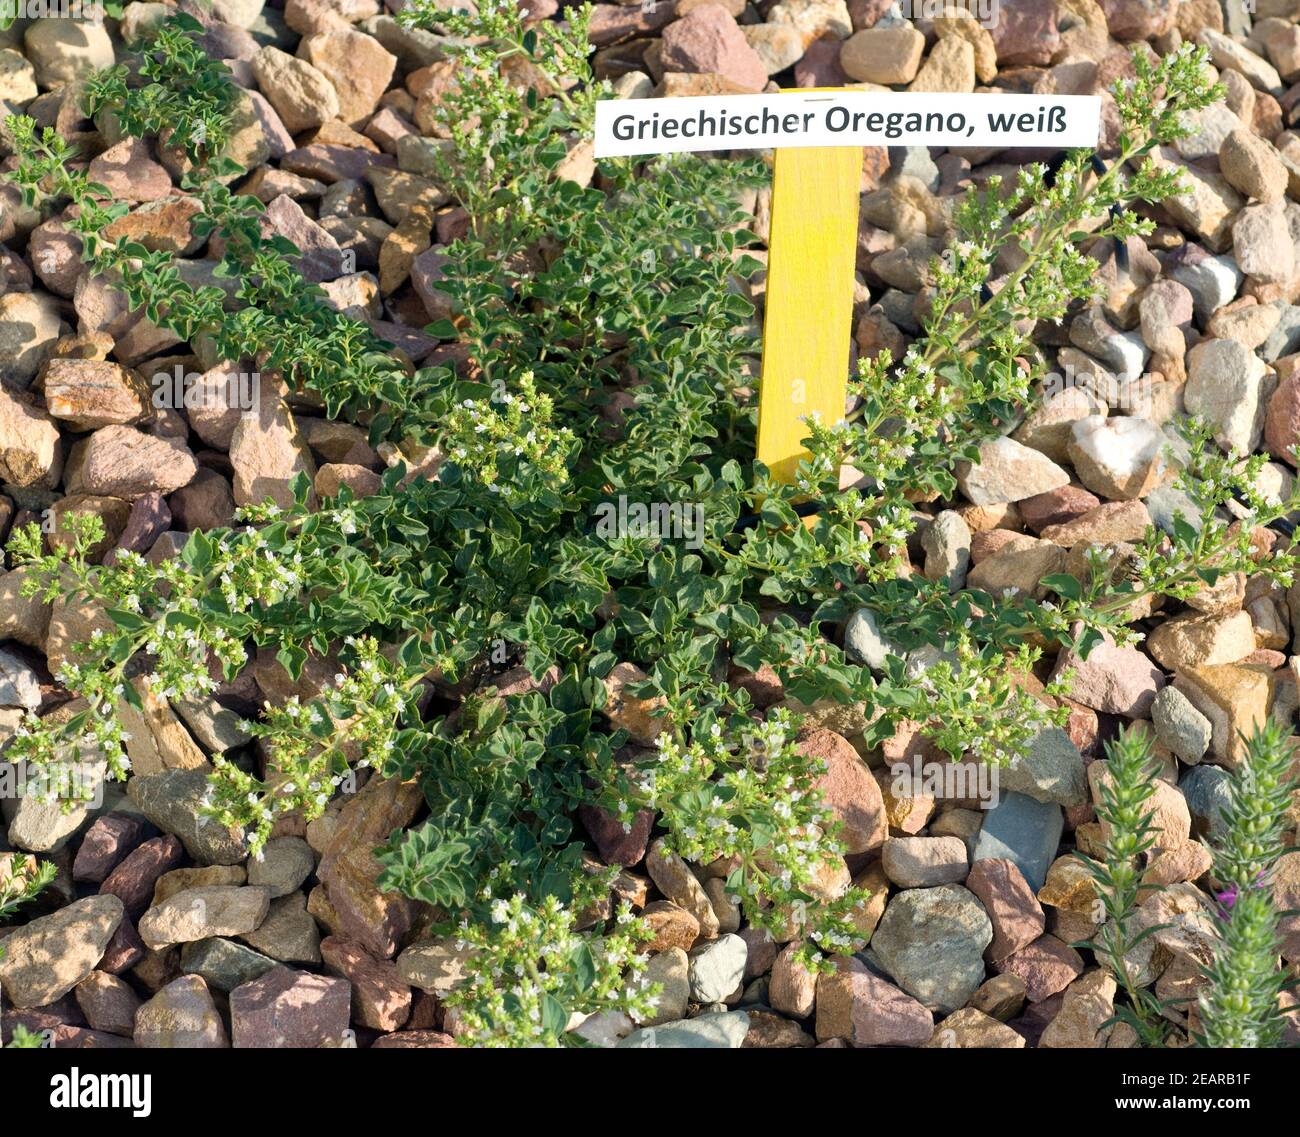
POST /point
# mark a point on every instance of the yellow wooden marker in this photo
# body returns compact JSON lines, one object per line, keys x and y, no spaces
{"x":812,"y":247}
{"x":811,"y":254}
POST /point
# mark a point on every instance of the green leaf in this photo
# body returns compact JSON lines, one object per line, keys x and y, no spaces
{"x":555,"y":1019}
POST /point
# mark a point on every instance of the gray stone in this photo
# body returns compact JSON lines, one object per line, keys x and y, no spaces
{"x":915,"y":162}
{"x":216,"y":728}
{"x":932,"y":941}
{"x":1212,"y":281}
{"x":1228,"y":385}
{"x":1164,"y":503}
{"x":863,"y":641}
{"x":919,"y":862}
{"x":285,"y":863}
{"x":1285,"y":338}
{"x":224,"y":964}
{"x":43,"y":824}
{"x":946,"y":542}
{"x":289,"y":932}
{"x":707,"y":1032}
{"x":1206,"y":789}
{"x":717,"y":968}
{"x":1180,"y":726}
{"x":172,"y":801}
{"x":1024,"y":831}
{"x":19,"y":684}
{"x":1122,"y":352}
{"x":414,"y":47}
{"x":1051,"y":770}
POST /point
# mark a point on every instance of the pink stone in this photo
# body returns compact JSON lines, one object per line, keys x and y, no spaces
{"x":288,"y":1008}
{"x":1025,"y":32}
{"x":1046,"y":966}
{"x":864,"y":1009}
{"x":1013,"y":909}
{"x":1139,"y":19}
{"x":415,"y":1040}
{"x":1056,"y":506}
{"x":849,"y":789}
{"x":379,"y":997}
{"x":1116,"y":680}
{"x":129,"y":173}
{"x":707,"y":40}
{"x":820,"y":65}
{"x":124,"y":950}
{"x":133,"y":880}
{"x":613,"y":22}
{"x":1282,"y":424}
{"x":107,"y":842}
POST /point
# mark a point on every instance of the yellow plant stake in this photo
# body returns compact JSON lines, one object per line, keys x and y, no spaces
{"x":811,"y":253}
{"x":818,"y":135}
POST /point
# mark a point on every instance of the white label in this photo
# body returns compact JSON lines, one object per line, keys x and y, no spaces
{"x":844,"y":118}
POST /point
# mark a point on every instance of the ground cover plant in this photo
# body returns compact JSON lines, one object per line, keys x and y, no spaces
{"x":520,"y":684}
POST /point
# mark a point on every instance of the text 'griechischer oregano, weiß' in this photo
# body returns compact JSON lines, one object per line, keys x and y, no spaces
{"x":843,"y":118}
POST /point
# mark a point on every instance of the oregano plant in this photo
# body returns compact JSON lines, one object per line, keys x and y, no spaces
{"x":607,"y":339}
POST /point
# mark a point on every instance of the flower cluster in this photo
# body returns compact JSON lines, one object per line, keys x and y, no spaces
{"x":753,"y":804}
{"x":531,"y":979}
{"x":506,"y":434}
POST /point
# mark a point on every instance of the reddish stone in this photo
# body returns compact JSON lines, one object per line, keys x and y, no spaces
{"x":81,"y":1038}
{"x":1013,"y":909}
{"x":865,"y":13}
{"x":426,"y":1014}
{"x":416,"y":1040}
{"x":764,"y":685}
{"x":613,"y":22}
{"x":1084,"y":728}
{"x":1282,"y":424}
{"x":864,"y":1009}
{"x":1046,"y":966}
{"x":379,"y":998}
{"x":1025,"y":32}
{"x":820,"y":65}
{"x":133,"y":880}
{"x":1037,"y":1018}
{"x":288,"y":1008}
{"x":124,"y":950}
{"x":1055,"y":507}
{"x":849,"y":789}
{"x":107,"y":842}
{"x":615,"y":845}
{"x":707,"y":40}
{"x":1117,"y":680}
{"x":1139,"y":19}
{"x":149,"y":519}
{"x":108,"y":1003}
{"x":378,"y":920}
{"x":991,"y":542}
